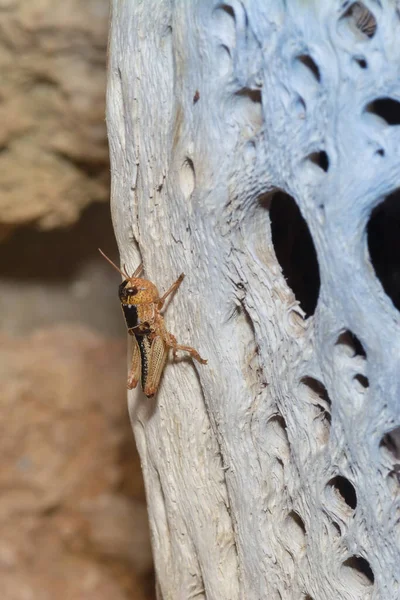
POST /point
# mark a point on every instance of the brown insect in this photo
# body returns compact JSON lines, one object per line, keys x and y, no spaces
{"x":141,"y":305}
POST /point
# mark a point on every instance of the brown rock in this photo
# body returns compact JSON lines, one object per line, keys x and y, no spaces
{"x":54,"y":158}
{"x":67,"y":530}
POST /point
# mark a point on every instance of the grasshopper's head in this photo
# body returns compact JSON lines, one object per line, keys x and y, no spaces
{"x":134,"y":291}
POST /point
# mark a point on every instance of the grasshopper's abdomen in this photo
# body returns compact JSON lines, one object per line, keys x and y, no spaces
{"x":144,"y":348}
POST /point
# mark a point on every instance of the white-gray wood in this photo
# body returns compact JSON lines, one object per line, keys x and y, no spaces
{"x":268,"y":473}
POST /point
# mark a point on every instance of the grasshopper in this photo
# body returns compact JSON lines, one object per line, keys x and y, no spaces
{"x":141,"y":305}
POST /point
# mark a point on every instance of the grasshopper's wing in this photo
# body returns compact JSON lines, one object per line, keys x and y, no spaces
{"x":136,"y":365}
{"x":158,"y":353}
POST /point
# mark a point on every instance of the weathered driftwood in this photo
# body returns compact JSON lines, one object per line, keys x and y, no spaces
{"x":271,"y":472}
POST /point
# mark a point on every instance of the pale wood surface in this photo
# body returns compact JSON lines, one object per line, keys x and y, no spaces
{"x":210,"y":107}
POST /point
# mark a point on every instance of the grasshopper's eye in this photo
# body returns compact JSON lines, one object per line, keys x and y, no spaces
{"x":131,"y":291}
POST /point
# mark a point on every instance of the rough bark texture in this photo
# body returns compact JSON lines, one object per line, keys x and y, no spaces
{"x":272,"y":471}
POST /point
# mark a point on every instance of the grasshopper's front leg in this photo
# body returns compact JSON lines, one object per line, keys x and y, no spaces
{"x":171,"y":290}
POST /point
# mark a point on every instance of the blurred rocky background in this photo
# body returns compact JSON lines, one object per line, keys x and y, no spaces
{"x":73,"y":522}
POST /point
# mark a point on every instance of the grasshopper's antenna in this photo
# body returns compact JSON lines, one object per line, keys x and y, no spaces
{"x":123,"y":273}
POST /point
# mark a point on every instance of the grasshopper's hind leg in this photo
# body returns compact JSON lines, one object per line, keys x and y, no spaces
{"x":136,"y":366}
{"x":171,"y":341}
{"x":156,"y":362}
{"x":193,"y":353}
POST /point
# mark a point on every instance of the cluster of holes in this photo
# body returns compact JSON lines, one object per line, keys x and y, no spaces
{"x":296,"y":254}
{"x":288,"y":227}
{"x":291,"y":237}
{"x":361,"y":23}
{"x":317,"y":397}
{"x":247,"y":101}
{"x":292,"y":534}
{"x":390,"y":443}
{"x":383,"y":238}
{"x":317,"y":394}
{"x":341,"y":497}
{"x":340,"y":493}
{"x":309,"y":67}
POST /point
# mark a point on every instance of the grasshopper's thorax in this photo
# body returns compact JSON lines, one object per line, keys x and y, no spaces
{"x":139,"y":299}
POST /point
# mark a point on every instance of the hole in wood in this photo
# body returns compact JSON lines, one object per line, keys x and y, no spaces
{"x":311,"y":65}
{"x":362,"y":63}
{"x":300,"y":107}
{"x":362,"y":380}
{"x":390,"y":448}
{"x":359,"y":21}
{"x":320,"y":159}
{"x":393,"y":480}
{"x":187,"y":178}
{"x":249,"y":109}
{"x":295,"y":533}
{"x":318,"y":390}
{"x":357,"y":573}
{"x":253,"y":95}
{"x":344,"y":491}
{"x":321,"y":424}
{"x":276,"y":438}
{"x":224,"y":29}
{"x":318,"y":406}
{"x":384,"y":245}
{"x":387,"y":109}
{"x":337,"y":532}
{"x":295,"y":251}
{"x":228,"y":9}
{"x":391,"y":444}
{"x":351,"y":344}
